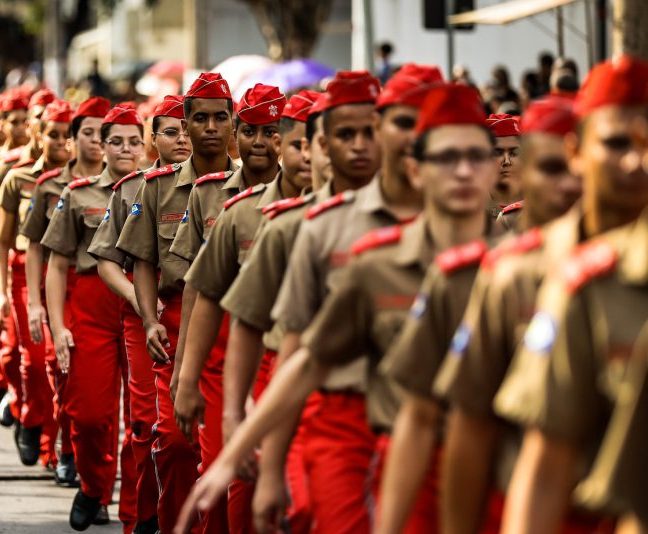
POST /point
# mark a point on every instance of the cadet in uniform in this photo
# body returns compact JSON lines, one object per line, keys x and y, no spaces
{"x":147,"y":235}
{"x":38,"y":430}
{"x":500,"y":307}
{"x":216,"y":266}
{"x":85,"y":132}
{"x":92,"y":344}
{"x":172,"y":144}
{"x":15,"y":121}
{"x":590,"y":312}
{"x":507,"y":189}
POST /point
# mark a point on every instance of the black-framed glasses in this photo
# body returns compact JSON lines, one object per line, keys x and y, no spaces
{"x":451,"y":158}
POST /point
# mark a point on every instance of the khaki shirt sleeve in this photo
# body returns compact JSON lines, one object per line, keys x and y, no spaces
{"x":414,"y":359}
{"x":216,"y":265}
{"x":552,"y":380}
{"x":253,"y":293}
{"x":298,"y":299}
{"x":105,"y":239}
{"x":64,"y":231}
{"x":340,"y":332}
{"x":10,"y":194}
{"x":189,"y":237}
{"x":139,"y":236}
{"x":36,"y":221}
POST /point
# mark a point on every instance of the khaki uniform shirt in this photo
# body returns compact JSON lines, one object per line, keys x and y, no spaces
{"x":44,"y":199}
{"x":16,"y":194}
{"x":76,"y":217}
{"x":255,"y":290}
{"x":153,"y":221}
{"x":366,"y":309}
{"x":119,"y":206}
{"x":570,"y":371}
{"x":205,"y":203}
{"x":322,"y":247}
{"x":16,"y":158}
{"x":219,"y":261}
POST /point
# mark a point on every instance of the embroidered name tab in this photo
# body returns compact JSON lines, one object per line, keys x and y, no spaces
{"x":171,"y":217}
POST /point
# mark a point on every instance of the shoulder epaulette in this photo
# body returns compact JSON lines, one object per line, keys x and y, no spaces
{"x":13,"y":155}
{"x":244,"y":194}
{"x":462,"y":256}
{"x":513,"y":207}
{"x":338,"y":200}
{"x":126,"y":178}
{"x":162,"y":171}
{"x":288,"y":204}
{"x":377,"y":238}
{"x":49,"y":174}
{"x":587,"y":262}
{"x":526,"y":242}
{"x":24,"y":163}
{"x":81,"y":182}
{"x":213,"y":176}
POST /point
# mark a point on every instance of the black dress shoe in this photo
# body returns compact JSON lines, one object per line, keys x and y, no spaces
{"x":66,"y":473}
{"x":29,"y":444}
{"x":84,"y":511}
{"x":6,"y":417}
{"x":102,"y":517}
{"x":150,"y":526}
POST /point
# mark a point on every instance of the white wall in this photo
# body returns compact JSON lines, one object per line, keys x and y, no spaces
{"x":516,"y":45}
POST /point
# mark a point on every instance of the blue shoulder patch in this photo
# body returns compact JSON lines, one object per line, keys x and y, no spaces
{"x":136,"y":209}
{"x":106,"y":216}
{"x":185,"y":217}
{"x":60,"y":204}
{"x":541,"y":333}
{"x":460,"y":340}
{"x":420,"y":306}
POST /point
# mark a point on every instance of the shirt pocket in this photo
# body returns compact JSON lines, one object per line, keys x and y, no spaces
{"x":167,"y":232}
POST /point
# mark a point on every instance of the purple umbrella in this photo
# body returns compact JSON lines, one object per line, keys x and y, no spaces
{"x":289,"y":76}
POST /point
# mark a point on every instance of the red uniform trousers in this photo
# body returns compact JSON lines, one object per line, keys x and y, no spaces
{"x":10,"y":356}
{"x":141,"y":386}
{"x":92,"y":394}
{"x":338,"y":449}
{"x":38,"y":396}
{"x":425,"y":516}
{"x":176,"y":460}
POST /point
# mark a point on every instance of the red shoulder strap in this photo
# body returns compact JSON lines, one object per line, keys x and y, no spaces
{"x":277,"y":204}
{"x":526,"y":242}
{"x":513,"y":207}
{"x":81,"y":182}
{"x":162,"y":171}
{"x":213,"y":176}
{"x":289,"y":204}
{"x":244,"y":194}
{"x":24,"y":163}
{"x":377,"y":238}
{"x":590,"y":260}
{"x":460,"y":257}
{"x":49,"y":174}
{"x":126,"y":178}
{"x":13,"y":155}
{"x":338,"y":200}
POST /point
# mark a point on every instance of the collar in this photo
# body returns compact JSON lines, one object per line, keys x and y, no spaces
{"x":39,"y":166}
{"x":235,"y":181}
{"x":187,"y":174}
{"x":633,"y":251}
{"x":415,"y":246}
{"x":105,"y":179}
{"x":370,"y":199}
{"x":270,"y":193}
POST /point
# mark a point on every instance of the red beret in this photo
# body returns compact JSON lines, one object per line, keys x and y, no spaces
{"x":450,"y":104}
{"x":503,"y":124}
{"x":122,"y":115}
{"x":95,"y":106}
{"x":261,"y":104}
{"x":58,"y":111}
{"x":551,"y":115}
{"x":621,"y":82}
{"x":319,"y":105}
{"x":409,"y":85}
{"x":209,"y":85}
{"x":351,"y":87}
{"x":14,"y":102}
{"x":171,"y":106}
{"x":42,"y":97}
{"x":300,"y":104}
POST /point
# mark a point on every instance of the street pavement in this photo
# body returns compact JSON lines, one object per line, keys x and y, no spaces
{"x":30,"y":501}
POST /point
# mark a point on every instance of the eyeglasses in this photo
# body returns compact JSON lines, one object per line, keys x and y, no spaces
{"x":118,"y":143}
{"x":451,"y":158}
{"x":172,"y":133}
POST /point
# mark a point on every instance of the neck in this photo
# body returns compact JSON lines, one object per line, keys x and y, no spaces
{"x":287,"y":188}
{"x":252,"y":178}
{"x":343,"y":183}
{"x":398,"y":192}
{"x":598,"y":218}
{"x":84,"y":168}
{"x":34,"y":151}
{"x":203,"y":165}
{"x":116,"y":176}
{"x":49,"y":165}
{"x":449,"y":231}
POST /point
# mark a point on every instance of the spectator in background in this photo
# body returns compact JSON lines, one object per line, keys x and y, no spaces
{"x":98,"y":86}
{"x":384,"y":67}
{"x":461,"y":74}
{"x":498,"y":90}
{"x":529,"y":88}
{"x":545,"y":66}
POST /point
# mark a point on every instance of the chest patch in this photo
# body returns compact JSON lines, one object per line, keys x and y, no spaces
{"x":171,"y":217}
